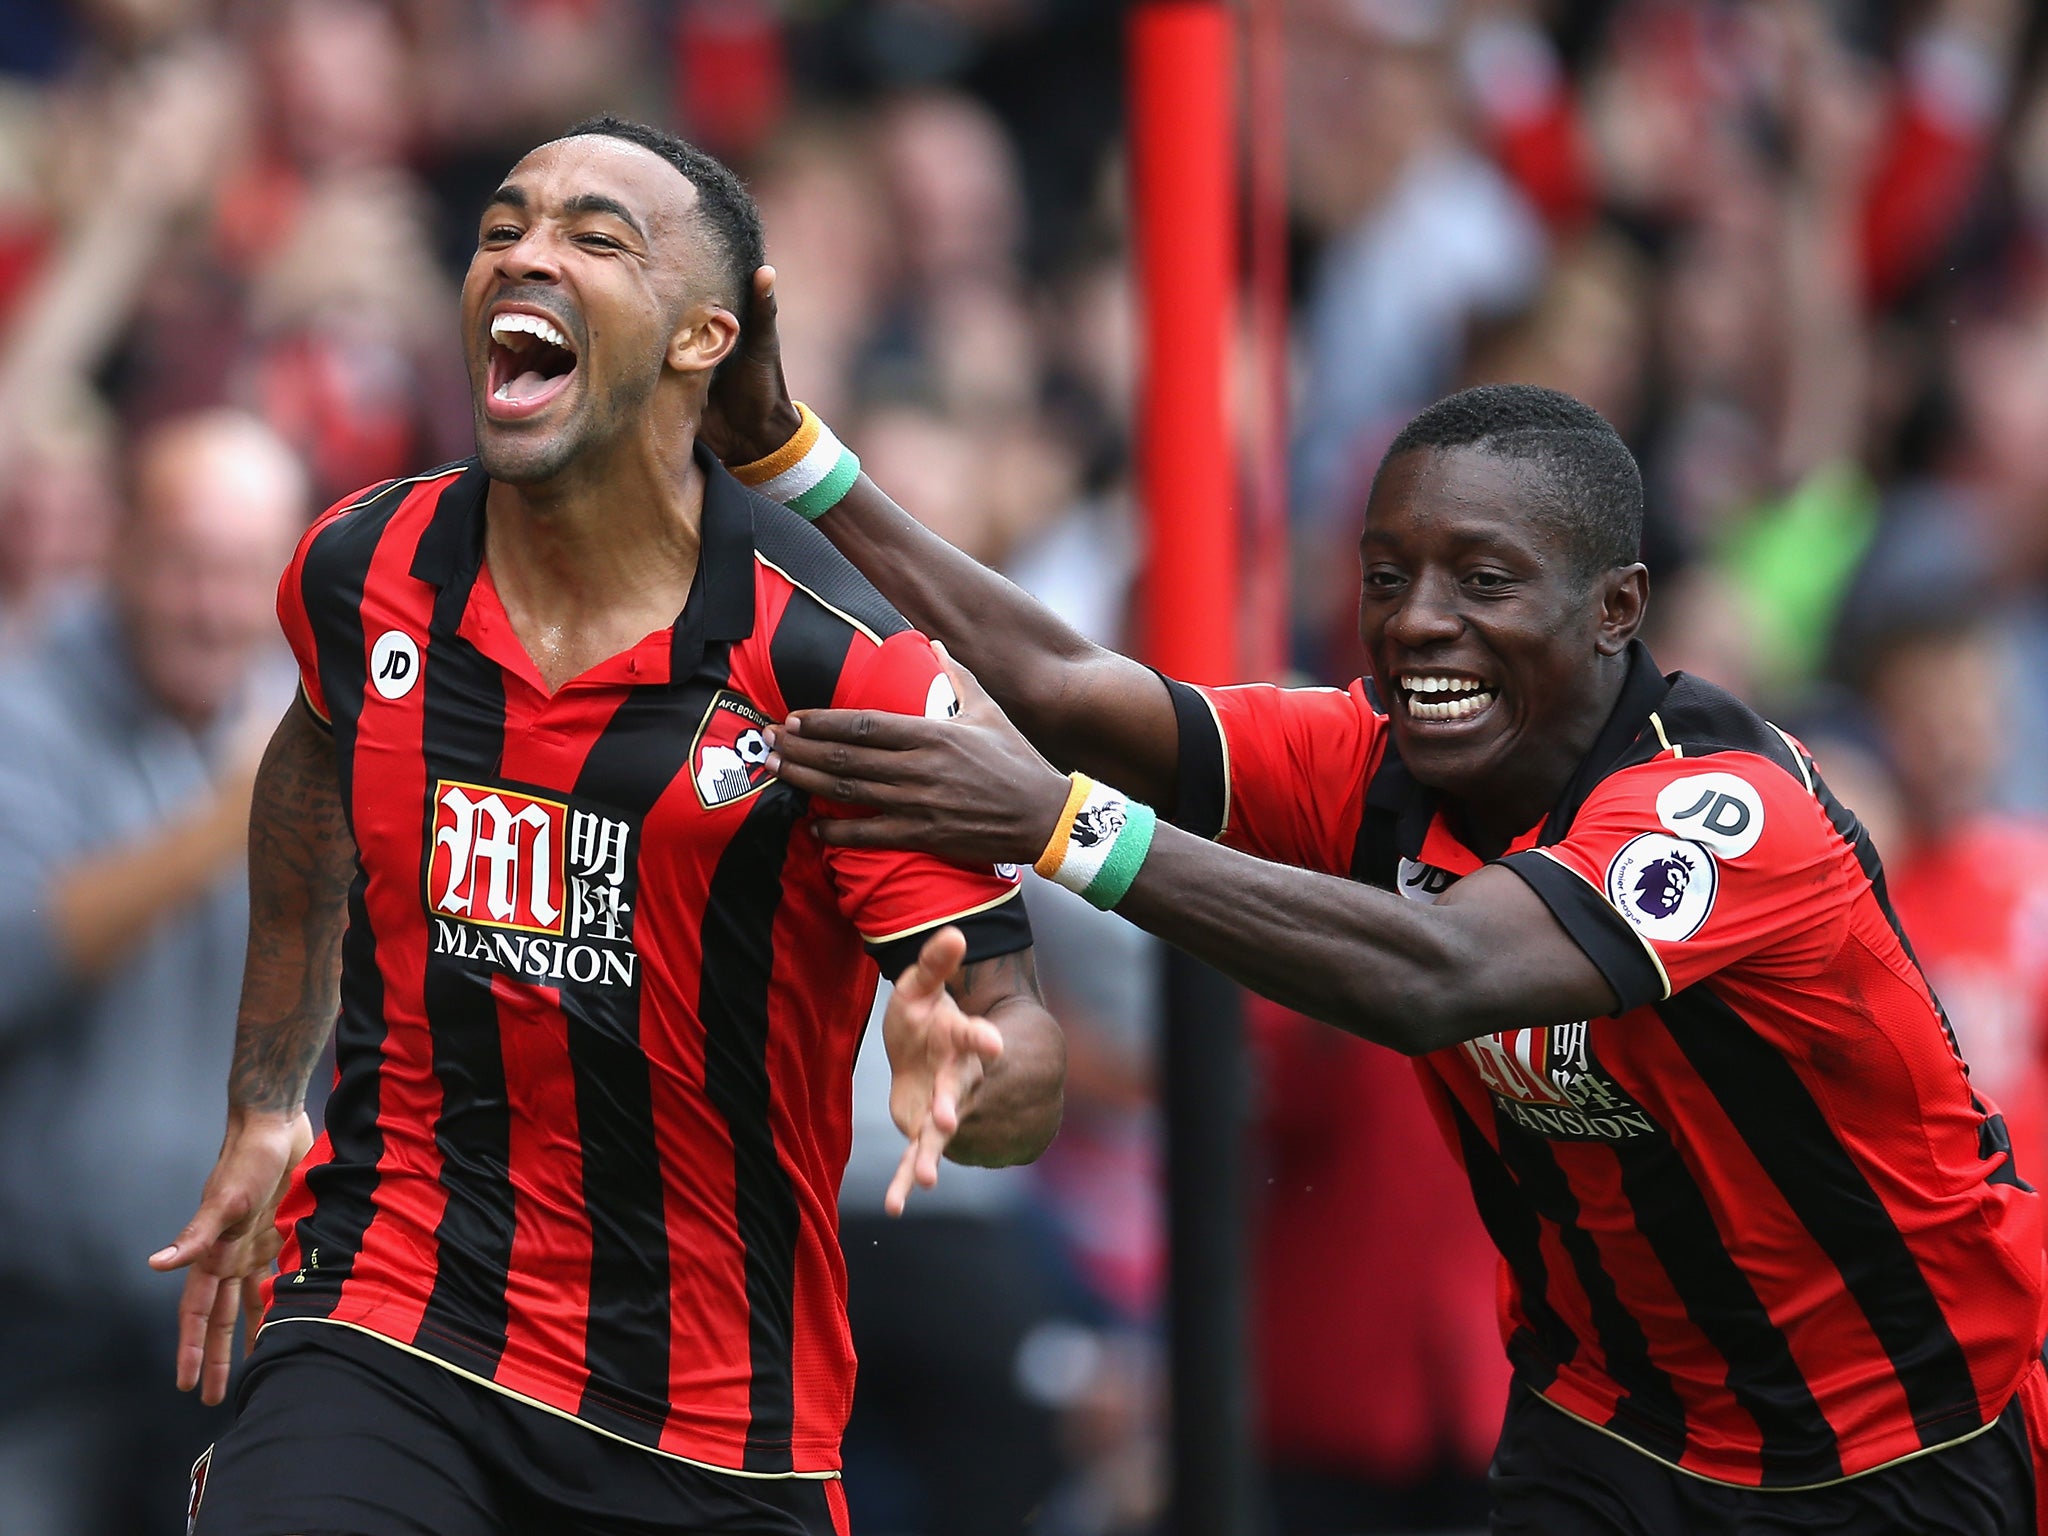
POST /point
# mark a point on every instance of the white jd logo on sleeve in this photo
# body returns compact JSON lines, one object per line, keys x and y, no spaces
{"x":394,"y":664}
{"x":1717,"y":809}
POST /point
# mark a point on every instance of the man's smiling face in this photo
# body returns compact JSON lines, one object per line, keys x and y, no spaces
{"x":589,"y":261}
{"x":1483,"y":636}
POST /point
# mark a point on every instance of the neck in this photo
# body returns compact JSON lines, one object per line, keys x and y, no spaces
{"x":618,"y":528}
{"x":1498,"y":813}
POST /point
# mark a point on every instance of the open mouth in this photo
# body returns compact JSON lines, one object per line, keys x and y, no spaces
{"x":1440,"y":696}
{"x":531,"y":363}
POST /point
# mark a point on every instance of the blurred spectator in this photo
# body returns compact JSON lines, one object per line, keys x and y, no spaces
{"x":945,"y":1439}
{"x":1353,"y":1181}
{"x":129,"y":735}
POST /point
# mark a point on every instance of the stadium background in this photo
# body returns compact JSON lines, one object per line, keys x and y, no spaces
{"x":1797,"y":252}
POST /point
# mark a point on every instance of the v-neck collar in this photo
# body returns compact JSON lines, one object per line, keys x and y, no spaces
{"x":720,"y":606}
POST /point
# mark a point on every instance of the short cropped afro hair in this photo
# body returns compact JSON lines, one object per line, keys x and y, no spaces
{"x":723,"y":202}
{"x":1586,"y":482}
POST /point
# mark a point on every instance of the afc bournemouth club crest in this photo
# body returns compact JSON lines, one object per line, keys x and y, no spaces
{"x":730,"y":759}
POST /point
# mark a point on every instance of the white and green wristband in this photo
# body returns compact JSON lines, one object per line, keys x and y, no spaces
{"x":1099,"y":842}
{"x":810,"y":474}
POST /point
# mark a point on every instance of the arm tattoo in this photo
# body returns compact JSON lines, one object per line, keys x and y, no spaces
{"x":979,"y":986}
{"x":301,"y":858}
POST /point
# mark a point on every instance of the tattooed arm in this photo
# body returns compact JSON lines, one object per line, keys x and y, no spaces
{"x":300,"y":861}
{"x":979,"y":1067}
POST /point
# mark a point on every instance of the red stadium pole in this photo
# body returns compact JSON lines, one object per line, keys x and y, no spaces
{"x":1184,"y":178}
{"x":1184,"y":173}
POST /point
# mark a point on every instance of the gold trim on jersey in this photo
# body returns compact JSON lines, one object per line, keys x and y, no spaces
{"x":940,"y":922}
{"x":560,"y":1413}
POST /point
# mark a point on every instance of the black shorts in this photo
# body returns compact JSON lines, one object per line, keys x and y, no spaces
{"x":340,"y":1434}
{"x":1554,"y":1475}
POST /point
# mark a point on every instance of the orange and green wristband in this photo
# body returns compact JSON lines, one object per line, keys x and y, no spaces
{"x":809,"y":474}
{"x":1099,"y":842}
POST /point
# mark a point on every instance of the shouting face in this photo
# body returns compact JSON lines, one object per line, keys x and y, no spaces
{"x":593,"y":290}
{"x":1493,"y":652}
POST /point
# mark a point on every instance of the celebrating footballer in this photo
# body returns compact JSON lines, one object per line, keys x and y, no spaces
{"x":1767,"y":1261}
{"x":566,"y":1257}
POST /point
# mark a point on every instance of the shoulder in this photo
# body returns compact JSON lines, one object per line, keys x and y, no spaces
{"x":1710,"y":769}
{"x":797,"y":556}
{"x":341,"y":540}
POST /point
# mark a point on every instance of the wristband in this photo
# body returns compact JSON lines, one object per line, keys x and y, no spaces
{"x":1099,"y":842}
{"x":810,"y":474}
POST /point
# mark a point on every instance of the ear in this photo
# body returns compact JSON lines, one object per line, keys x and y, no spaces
{"x":708,"y":332}
{"x":1624,"y":595}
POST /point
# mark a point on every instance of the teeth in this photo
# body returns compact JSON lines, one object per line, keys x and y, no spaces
{"x":1422,"y":684}
{"x":1463,"y":707}
{"x":527,"y":325}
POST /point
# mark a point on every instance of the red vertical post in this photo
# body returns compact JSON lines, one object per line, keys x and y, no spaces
{"x":1268,"y":576}
{"x":1183,"y":134}
{"x":1184,"y":178}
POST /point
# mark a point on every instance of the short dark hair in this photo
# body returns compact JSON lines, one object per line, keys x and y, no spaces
{"x":723,"y":202}
{"x":1588,"y":483}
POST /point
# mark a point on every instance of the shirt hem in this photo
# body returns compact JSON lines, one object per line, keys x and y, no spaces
{"x":827,"y":1475}
{"x":1723,"y":1482}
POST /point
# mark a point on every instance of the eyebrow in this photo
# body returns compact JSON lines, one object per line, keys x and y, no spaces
{"x":597,"y":202}
{"x":511,"y":196}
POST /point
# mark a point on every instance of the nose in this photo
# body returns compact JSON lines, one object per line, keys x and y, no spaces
{"x":1426,"y":614}
{"x":533,"y":258}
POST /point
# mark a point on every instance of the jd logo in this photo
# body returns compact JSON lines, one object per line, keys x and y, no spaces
{"x":394,"y":664}
{"x":1424,"y":882}
{"x":1717,"y":809}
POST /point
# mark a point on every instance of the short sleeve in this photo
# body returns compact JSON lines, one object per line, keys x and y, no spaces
{"x":295,"y":620}
{"x":1682,"y":868}
{"x":896,"y":899}
{"x":1276,"y":772}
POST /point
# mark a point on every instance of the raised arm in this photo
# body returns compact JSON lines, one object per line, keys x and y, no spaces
{"x":301,"y":857}
{"x":1080,"y":704}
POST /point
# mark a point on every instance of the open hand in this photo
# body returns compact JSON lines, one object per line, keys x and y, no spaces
{"x":749,"y":414}
{"x":970,"y":788}
{"x":230,"y":1243}
{"x":938,"y":1056}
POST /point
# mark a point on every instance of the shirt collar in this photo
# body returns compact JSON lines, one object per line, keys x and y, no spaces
{"x":721,"y":602}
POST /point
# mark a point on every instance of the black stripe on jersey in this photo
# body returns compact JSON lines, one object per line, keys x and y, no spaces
{"x":1798,"y":1443}
{"x":808,"y":652}
{"x":463,"y":737}
{"x":1538,"y":1349}
{"x":344,"y":1188}
{"x":739,"y":960}
{"x":1994,"y":1141}
{"x":1200,"y":799}
{"x":639,"y":754}
{"x":1649,"y":1410}
{"x":1789,"y":1136}
{"x":807,"y":557}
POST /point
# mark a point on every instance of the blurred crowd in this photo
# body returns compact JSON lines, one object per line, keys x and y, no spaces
{"x":1797,"y":251}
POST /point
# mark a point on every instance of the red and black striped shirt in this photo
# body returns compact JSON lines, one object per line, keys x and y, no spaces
{"x":1756,"y":1223}
{"x":601,"y":994}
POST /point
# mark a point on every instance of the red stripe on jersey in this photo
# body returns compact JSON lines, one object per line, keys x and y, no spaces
{"x":810,"y":1072}
{"x":544,"y":1313}
{"x":408,"y":1199}
{"x":545,"y":1319}
{"x":710,"y":1367}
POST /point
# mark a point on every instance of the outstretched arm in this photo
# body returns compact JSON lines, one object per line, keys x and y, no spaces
{"x":1488,"y":957}
{"x":300,"y":861}
{"x":1082,"y":705}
